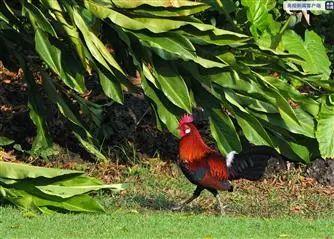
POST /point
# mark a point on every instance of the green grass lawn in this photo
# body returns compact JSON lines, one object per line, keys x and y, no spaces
{"x":158,"y":224}
{"x":287,"y":206}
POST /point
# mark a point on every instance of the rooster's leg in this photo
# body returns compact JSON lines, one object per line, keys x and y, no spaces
{"x":221,"y":207}
{"x":217,"y":196}
{"x":195,"y":195}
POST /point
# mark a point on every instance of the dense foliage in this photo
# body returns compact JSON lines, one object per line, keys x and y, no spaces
{"x":259,"y":80}
{"x":46,"y":189}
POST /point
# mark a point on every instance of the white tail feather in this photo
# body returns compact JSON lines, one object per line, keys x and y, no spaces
{"x":229,"y":158}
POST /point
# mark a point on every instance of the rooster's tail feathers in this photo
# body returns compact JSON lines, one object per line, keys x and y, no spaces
{"x":249,"y":165}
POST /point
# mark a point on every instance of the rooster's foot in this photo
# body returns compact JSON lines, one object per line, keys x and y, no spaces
{"x":177,"y":208}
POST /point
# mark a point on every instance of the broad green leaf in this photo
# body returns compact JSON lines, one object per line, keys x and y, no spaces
{"x":274,"y":57}
{"x":96,"y":47}
{"x":172,"y":46}
{"x":80,"y":203}
{"x":167,"y":12}
{"x":270,"y":4}
{"x":70,"y":191}
{"x":225,"y":6}
{"x":81,"y":184}
{"x":110,"y":85}
{"x":53,"y":57}
{"x":47,"y":189}
{"x":173,"y":85}
{"x":248,"y":93}
{"x":82,"y":134}
{"x":251,"y":127}
{"x":247,"y":101}
{"x":49,"y":53}
{"x":92,"y":110}
{"x":223,"y":131}
{"x":90,"y":147}
{"x":156,"y":25}
{"x":257,"y":14}
{"x":73,"y":71}
{"x":164,"y":113}
{"x":311,"y":50}
{"x":42,"y":144}
{"x":160,"y":3}
{"x":105,"y":53}
{"x":4,"y":18}
{"x":59,"y":101}
{"x":221,"y":125}
{"x":265,"y":39}
{"x":126,"y":39}
{"x":290,"y":148}
{"x":207,"y":38}
{"x":3,"y":193}
{"x":232,"y":80}
{"x":284,"y":108}
{"x":306,"y":127}
{"x":5,"y":141}
{"x":307,"y":122}
{"x":10,"y":17}
{"x":80,"y":180}
{"x":150,"y":77}
{"x":70,"y":29}
{"x":301,"y":127}
{"x":23,"y":171}
{"x":274,"y":104}
{"x":253,"y":130}
{"x":39,"y":19}
{"x":7,"y":181}
{"x":28,"y":201}
{"x":325,"y":128}
{"x":307,"y":103}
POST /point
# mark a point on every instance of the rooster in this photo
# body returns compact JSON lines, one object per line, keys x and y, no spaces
{"x":208,"y":169}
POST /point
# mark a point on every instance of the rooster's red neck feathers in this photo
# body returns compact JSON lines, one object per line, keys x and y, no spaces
{"x":192,"y":147}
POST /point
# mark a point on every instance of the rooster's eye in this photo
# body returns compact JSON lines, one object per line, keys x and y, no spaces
{"x":187,"y":131}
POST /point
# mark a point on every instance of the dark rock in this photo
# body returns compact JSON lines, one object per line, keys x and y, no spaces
{"x":322,"y":170}
{"x":275,"y":165}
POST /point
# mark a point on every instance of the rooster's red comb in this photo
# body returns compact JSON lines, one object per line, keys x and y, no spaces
{"x":186,"y":118}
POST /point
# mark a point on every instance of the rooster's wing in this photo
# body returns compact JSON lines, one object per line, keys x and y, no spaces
{"x":209,"y":172}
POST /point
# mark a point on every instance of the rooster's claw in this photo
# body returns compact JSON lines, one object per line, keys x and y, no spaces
{"x":177,"y":208}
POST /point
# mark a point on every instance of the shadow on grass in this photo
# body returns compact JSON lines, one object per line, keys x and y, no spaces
{"x":162,"y":203}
